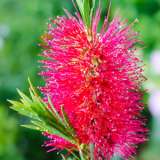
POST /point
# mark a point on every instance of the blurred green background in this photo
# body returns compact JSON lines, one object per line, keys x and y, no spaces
{"x":22,"y":22}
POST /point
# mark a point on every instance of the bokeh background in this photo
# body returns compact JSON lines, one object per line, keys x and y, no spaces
{"x":22,"y":22}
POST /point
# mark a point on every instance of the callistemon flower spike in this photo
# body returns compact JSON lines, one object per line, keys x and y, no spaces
{"x":97,"y":79}
{"x":92,"y":94}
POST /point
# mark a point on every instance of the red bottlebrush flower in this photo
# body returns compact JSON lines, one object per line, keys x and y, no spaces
{"x":97,"y":78}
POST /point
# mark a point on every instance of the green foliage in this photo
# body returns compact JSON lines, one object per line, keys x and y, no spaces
{"x":86,"y":12}
{"x":80,"y":6}
{"x":43,"y":117}
{"x":86,"y":8}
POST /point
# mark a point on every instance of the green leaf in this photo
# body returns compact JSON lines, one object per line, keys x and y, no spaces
{"x":66,"y":121}
{"x":30,"y":126}
{"x":86,"y":8}
{"x":32,"y":88}
{"x":54,"y":110}
{"x":24,"y":98}
{"x":92,"y":9}
{"x":63,"y":157}
{"x":73,"y":154}
{"x":23,"y":110}
{"x":43,"y":118}
{"x":86,"y":11}
{"x":80,"y":6}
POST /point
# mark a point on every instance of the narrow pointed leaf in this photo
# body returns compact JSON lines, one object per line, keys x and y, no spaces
{"x":66,"y":121}
{"x":92,"y":10}
{"x":30,"y":126}
{"x":86,"y":9}
{"x":80,"y":6}
{"x":54,"y":110}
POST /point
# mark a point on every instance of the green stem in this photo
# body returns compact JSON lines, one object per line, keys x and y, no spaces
{"x":91,"y":148}
{"x":81,"y":152}
{"x":81,"y":155}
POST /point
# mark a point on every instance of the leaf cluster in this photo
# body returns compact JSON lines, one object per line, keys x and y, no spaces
{"x":43,"y":117}
{"x":86,"y":8}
